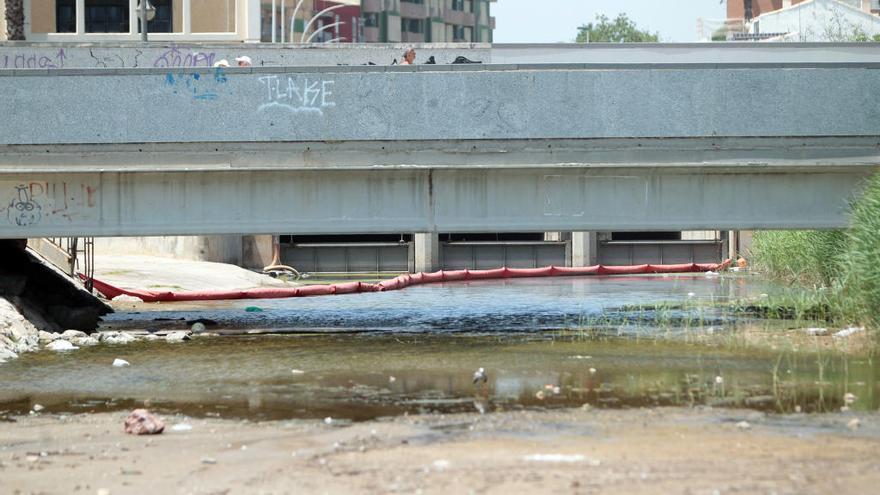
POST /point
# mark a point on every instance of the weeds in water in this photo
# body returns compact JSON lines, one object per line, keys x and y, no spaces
{"x":841,"y":267}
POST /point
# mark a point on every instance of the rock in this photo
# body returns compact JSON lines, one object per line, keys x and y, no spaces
{"x":854,"y":424}
{"x":760,"y":400}
{"x":61,"y":345}
{"x":116,"y":337}
{"x":209,"y":460}
{"x":177,"y":337}
{"x":150,"y":337}
{"x":141,"y":422}
{"x":127,"y":298}
{"x":84,"y":341}
{"x":198,"y":327}
{"x":46,"y":337}
{"x":73,"y":334}
{"x":120,"y":363}
{"x":743,"y":425}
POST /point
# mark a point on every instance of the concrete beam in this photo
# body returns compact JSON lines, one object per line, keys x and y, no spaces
{"x":584,"y":249}
{"x":427,"y":251}
{"x":419,"y":200}
{"x":713,"y":153}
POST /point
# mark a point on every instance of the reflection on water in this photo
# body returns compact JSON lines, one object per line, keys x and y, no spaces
{"x":369,"y":375}
{"x":489,"y":306}
{"x":432,"y":339}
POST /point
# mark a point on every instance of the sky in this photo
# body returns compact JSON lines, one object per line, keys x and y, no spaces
{"x":553,"y":21}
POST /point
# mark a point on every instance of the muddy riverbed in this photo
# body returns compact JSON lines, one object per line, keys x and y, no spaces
{"x":585,"y":393}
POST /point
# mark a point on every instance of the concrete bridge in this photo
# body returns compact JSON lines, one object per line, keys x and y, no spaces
{"x":500,"y":148}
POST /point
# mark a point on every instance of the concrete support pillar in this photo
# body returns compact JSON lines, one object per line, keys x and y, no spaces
{"x":584,"y":249}
{"x":427,"y":251}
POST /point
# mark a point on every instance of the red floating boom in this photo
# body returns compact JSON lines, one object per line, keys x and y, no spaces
{"x":400,"y":282}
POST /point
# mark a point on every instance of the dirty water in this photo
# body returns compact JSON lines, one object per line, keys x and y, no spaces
{"x":415,"y":351}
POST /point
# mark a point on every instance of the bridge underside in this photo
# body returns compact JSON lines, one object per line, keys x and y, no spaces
{"x":462,"y":186}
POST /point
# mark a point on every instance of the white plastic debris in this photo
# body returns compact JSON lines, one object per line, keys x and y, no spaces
{"x":743,"y":425}
{"x":560,"y":458}
{"x":38,"y":407}
{"x":592,"y":371}
{"x":120,"y":362}
{"x":849,"y":398}
{"x":846,"y":332}
{"x":691,"y":294}
{"x":719,"y":380}
{"x":441,"y":464}
{"x":297,"y":372}
{"x":61,"y":345}
{"x":711,"y":274}
{"x":328,"y":420}
{"x":816,"y":331}
{"x":127,"y":298}
{"x":854,"y":424}
{"x":181,"y":427}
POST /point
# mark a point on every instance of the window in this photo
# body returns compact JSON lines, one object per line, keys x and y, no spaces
{"x":65,"y":16}
{"x":412,"y":25}
{"x":106,"y":16}
{"x":458,"y":33}
{"x":458,"y":5}
{"x":371,"y":19}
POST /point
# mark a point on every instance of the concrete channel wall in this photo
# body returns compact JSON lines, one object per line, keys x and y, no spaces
{"x":28,"y":55}
{"x":436,"y":103}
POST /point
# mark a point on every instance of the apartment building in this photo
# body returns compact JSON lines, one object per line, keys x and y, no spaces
{"x":749,"y":9}
{"x":347,"y":21}
{"x":429,"y":21}
{"x":803,"y":20}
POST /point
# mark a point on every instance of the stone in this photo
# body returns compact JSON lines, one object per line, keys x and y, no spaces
{"x":73,"y":334}
{"x":84,"y":341}
{"x":177,"y":337}
{"x":120,"y":362}
{"x":46,"y":337}
{"x":61,"y":345}
{"x":141,"y":422}
{"x":116,"y":338}
{"x":816,"y":332}
{"x":151,"y":338}
{"x":198,"y":327}
{"x":743,"y":425}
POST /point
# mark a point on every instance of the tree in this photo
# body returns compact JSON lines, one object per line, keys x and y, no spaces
{"x":620,"y":30}
{"x":15,"y":19}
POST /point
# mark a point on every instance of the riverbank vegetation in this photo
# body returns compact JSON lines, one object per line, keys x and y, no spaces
{"x":842,"y":267}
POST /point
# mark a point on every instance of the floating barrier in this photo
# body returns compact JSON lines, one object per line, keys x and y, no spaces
{"x":400,"y":282}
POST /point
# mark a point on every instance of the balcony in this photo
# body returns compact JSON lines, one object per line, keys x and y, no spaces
{"x":413,"y":10}
{"x":371,"y":5}
{"x":408,"y":37}
{"x":453,"y":17}
{"x":371,"y":34}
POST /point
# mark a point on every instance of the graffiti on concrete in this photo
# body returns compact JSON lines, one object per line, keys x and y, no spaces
{"x":29,"y":60}
{"x":23,"y":211}
{"x":173,"y":57}
{"x":36,"y":201}
{"x":297,"y":94}
{"x":198,"y":86}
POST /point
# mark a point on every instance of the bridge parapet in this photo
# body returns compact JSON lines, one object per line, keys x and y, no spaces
{"x":437,"y":103}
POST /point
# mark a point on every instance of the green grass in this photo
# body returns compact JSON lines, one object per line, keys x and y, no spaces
{"x":843,"y":267}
